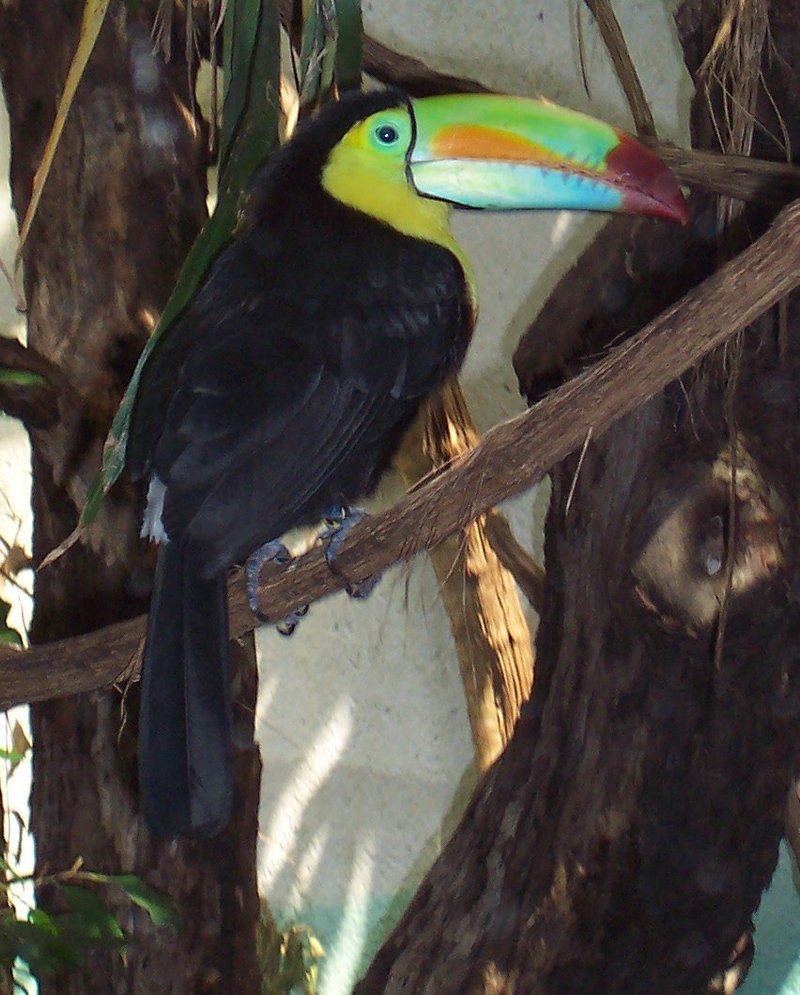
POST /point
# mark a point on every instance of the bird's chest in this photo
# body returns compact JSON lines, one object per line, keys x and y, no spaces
{"x":393,"y":316}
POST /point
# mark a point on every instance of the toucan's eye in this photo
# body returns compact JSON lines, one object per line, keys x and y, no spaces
{"x":387,"y":134}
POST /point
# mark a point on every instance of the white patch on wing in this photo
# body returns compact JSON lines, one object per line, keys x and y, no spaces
{"x":152,"y":525}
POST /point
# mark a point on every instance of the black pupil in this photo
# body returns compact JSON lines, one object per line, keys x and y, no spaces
{"x":387,"y":134}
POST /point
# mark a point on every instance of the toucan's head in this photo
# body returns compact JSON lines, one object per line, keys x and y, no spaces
{"x":491,"y":151}
{"x":404,"y":161}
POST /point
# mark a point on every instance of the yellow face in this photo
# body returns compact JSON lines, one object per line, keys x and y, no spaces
{"x":367,"y":171}
{"x":387,"y":134}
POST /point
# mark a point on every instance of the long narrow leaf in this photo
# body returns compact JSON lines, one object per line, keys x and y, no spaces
{"x":157,"y":905}
{"x":317,"y":52}
{"x":21,"y":378}
{"x":242,"y":27}
{"x":94,"y":13}
{"x":349,"y":55}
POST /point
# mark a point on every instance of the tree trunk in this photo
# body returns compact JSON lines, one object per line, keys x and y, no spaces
{"x":622,"y":841}
{"x":123,"y":203}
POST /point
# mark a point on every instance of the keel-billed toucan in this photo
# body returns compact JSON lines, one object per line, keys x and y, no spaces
{"x":286,"y":385}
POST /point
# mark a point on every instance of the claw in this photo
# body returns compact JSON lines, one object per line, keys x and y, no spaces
{"x":271,"y":552}
{"x":288,"y":623}
{"x":341,"y":522}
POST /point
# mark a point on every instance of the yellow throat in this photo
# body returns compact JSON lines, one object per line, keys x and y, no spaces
{"x":378,"y":188}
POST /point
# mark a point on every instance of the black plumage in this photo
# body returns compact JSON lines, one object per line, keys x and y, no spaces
{"x":282,"y":391}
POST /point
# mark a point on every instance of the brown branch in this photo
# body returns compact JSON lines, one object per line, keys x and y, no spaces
{"x":395,"y":69}
{"x":492,"y":639}
{"x":515,"y":454}
{"x":510,"y":458}
{"x":70,"y":666}
{"x":732,"y":175}
{"x":527,"y":573}
{"x":614,"y":40}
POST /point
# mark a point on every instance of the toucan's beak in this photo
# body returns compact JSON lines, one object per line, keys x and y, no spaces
{"x":497,"y":152}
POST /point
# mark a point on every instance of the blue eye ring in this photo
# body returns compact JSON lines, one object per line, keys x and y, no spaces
{"x":387,"y":134}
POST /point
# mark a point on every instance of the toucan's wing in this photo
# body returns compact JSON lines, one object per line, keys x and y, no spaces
{"x":294,"y":392}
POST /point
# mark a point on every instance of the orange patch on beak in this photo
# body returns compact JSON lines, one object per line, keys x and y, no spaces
{"x":473,"y":141}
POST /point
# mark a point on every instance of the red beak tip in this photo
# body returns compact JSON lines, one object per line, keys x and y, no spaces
{"x":666,"y":191}
{"x":649,"y":186}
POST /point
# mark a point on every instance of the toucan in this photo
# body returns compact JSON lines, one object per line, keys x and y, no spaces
{"x":286,"y":385}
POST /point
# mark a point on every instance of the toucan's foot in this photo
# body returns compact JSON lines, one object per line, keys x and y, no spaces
{"x":271,"y":552}
{"x":289,"y":622}
{"x":340,"y":523}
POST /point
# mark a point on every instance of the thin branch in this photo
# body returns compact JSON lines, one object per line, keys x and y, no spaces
{"x":510,"y":458}
{"x":732,"y":175}
{"x":529,"y":576}
{"x":612,"y":35}
{"x":393,"y":68}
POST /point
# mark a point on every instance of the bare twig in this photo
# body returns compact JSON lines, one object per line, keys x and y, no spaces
{"x":582,"y":51}
{"x":732,"y":175}
{"x":612,"y":35}
{"x":577,"y":473}
{"x":527,"y":573}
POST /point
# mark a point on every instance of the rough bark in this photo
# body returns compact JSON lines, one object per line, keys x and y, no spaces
{"x":120,"y":208}
{"x":622,"y":841}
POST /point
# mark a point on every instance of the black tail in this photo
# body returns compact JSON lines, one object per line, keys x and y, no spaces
{"x":185,"y":749}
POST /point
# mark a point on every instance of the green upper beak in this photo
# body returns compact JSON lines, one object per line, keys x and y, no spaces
{"x":498,"y":152}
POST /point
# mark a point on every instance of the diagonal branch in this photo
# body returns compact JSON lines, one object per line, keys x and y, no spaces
{"x":611,"y":32}
{"x":510,"y":458}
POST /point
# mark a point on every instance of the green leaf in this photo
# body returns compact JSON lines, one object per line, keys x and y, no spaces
{"x":244,"y":25}
{"x":317,"y":52}
{"x":250,"y":116}
{"x":39,"y":943}
{"x":349,"y":44}
{"x":43,"y":921}
{"x":157,"y":905}
{"x":92,"y":924}
{"x":8,"y":636}
{"x":21,"y":378}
